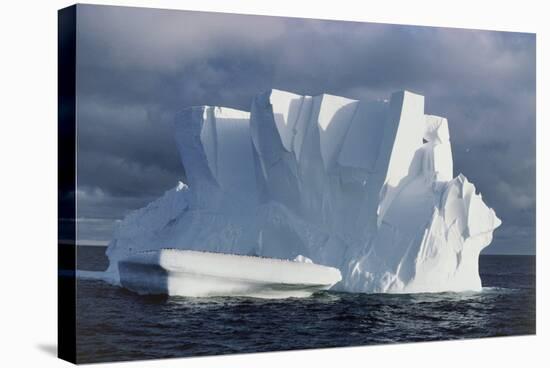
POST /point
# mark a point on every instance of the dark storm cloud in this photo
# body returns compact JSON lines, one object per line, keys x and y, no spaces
{"x":137,"y":68}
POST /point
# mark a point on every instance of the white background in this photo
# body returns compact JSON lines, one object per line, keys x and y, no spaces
{"x":28,"y":169}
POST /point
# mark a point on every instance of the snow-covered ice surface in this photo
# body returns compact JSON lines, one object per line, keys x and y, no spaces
{"x":363,"y":186}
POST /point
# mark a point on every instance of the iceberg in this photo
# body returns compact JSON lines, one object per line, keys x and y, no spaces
{"x":365,"y":187}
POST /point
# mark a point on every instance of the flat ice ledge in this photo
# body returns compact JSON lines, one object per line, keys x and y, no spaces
{"x":205,"y":274}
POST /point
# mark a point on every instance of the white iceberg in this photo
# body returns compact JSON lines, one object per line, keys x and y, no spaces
{"x":366,"y":187}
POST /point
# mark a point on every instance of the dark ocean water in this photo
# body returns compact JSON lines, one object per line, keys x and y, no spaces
{"x":114,"y":324}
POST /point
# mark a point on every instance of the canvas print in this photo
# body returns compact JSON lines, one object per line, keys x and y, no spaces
{"x":239,"y":183}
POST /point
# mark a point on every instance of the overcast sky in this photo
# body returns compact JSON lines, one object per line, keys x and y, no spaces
{"x":137,"y":67}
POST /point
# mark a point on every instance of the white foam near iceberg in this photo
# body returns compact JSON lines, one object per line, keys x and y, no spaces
{"x":366,"y":187}
{"x":206,"y":274}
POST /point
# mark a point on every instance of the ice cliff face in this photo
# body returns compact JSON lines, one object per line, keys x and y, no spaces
{"x":366,"y":187}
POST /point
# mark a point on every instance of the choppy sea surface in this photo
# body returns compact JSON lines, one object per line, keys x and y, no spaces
{"x":114,"y":324}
